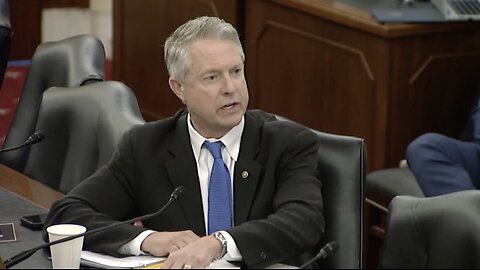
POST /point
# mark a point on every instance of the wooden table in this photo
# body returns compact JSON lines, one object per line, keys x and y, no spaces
{"x":27,"y":188}
{"x":21,"y":196}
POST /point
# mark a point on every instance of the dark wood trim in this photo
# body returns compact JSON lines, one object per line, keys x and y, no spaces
{"x":27,"y":188}
{"x":65,"y":3}
{"x":26,"y":18}
{"x":118,"y":17}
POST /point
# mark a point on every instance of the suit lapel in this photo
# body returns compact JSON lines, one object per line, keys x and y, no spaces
{"x":247,"y":170}
{"x":182,"y":170}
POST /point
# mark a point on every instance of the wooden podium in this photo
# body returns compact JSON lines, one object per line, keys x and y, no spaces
{"x":332,"y":67}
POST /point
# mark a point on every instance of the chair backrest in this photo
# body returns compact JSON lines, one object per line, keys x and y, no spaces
{"x":5,"y":37}
{"x":432,"y":233}
{"x":341,"y":164}
{"x":82,"y":127}
{"x":69,"y":62}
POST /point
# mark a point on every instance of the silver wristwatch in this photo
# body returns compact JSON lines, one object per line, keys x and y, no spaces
{"x":223,"y":241}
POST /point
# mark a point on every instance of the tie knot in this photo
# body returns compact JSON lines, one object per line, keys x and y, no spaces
{"x":214,"y":148}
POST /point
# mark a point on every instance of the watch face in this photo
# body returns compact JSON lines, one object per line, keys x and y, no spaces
{"x":219,"y":236}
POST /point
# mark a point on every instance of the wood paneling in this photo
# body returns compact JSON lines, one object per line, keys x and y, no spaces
{"x":140,"y":29}
{"x":65,"y":3}
{"x":310,"y":61}
{"x":310,"y":84}
{"x":26,"y":18}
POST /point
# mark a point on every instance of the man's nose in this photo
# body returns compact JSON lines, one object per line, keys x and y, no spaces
{"x":229,"y":85}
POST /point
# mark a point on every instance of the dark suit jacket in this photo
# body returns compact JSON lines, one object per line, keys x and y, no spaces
{"x":277,"y":208}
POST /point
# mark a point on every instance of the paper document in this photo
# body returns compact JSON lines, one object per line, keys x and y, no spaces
{"x":96,"y":260}
{"x":105,"y":261}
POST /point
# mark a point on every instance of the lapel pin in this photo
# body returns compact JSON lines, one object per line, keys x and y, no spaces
{"x":244,"y":174}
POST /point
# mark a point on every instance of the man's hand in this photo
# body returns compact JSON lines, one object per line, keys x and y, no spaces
{"x":164,"y":243}
{"x":197,"y":254}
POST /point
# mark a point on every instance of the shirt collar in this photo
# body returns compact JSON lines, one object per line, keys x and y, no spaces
{"x":231,"y":140}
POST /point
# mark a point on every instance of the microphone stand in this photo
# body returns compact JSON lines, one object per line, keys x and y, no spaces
{"x":27,"y":253}
{"x":33,"y":139}
{"x":325,"y":252}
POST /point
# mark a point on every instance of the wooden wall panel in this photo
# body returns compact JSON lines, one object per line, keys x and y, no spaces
{"x":65,"y":3}
{"x":26,"y":18}
{"x":326,"y":74}
{"x":432,"y":85}
{"x":455,"y":74}
{"x":323,"y":84}
{"x":385,"y":83}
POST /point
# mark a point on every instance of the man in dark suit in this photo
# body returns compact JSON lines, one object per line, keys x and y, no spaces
{"x":273,"y":197}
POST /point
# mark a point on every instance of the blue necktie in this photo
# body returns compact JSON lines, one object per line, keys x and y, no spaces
{"x":219,"y":191}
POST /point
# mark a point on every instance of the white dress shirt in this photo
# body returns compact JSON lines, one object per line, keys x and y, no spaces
{"x":230,"y":151}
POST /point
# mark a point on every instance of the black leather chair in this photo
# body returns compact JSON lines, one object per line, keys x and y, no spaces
{"x":432,"y":233}
{"x":73,"y":61}
{"x":82,"y":126}
{"x":342,"y":163}
{"x":5,"y":37}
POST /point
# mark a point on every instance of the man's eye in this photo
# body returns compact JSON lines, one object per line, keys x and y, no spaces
{"x":211,"y":78}
{"x":237,"y":70}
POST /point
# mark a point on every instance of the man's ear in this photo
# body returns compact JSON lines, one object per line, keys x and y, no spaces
{"x":177,"y":88}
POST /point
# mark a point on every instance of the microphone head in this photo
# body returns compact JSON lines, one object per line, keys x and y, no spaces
{"x":177,"y":193}
{"x":36,"y":137}
{"x":329,"y":249}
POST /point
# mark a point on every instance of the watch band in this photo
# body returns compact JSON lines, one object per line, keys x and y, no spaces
{"x":223,"y":241}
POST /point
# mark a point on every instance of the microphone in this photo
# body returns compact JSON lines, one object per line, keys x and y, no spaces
{"x":176,"y":194}
{"x":326,"y":251}
{"x":33,"y":139}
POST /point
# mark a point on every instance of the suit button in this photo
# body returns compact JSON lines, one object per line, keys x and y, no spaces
{"x":263,"y":255}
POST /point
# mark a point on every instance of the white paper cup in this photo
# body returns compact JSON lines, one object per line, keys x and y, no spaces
{"x":67,"y":254}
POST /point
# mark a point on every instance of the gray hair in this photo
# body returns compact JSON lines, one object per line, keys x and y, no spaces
{"x":176,"y":45}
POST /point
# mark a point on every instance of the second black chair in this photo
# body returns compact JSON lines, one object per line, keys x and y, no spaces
{"x":69,"y":62}
{"x":82,"y":126}
{"x":432,"y":233}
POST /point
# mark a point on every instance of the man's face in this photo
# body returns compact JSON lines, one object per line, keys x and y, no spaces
{"x":214,"y":89}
